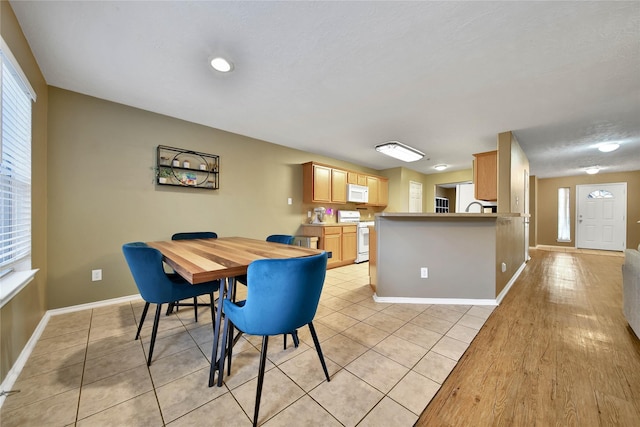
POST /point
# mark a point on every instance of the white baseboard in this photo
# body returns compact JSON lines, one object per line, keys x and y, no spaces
{"x":17,"y":367}
{"x":504,"y":292}
{"x":92,"y":305}
{"x":450,"y":301}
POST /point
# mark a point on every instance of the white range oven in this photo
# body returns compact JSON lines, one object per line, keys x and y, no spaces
{"x":351,"y":217}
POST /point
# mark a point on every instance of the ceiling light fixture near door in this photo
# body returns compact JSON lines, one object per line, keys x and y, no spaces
{"x":592,"y":170}
{"x":400,"y":151}
{"x":222,"y":65}
{"x":440,"y":167}
{"x":608,"y":147}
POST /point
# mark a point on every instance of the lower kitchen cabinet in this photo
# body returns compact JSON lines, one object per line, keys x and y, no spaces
{"x":340,"y":240}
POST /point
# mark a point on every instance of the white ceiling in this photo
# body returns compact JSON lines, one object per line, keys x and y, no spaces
{"x":337,"y":78}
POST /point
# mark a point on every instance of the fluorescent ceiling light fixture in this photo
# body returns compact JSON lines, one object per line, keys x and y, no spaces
{"x":400,"y":151}
{"x":221,"y":64}
{"x":592,"y":170}
{"x":608,"y":147}
{"x":440,"y":167}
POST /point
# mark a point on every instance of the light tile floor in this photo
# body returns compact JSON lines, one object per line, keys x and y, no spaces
{"x":386,"y":362}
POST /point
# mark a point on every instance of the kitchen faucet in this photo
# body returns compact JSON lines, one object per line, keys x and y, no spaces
{"x":474,"y":203}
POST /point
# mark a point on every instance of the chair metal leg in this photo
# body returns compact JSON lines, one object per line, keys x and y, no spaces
{"x":154,"y":332}
{"x":230,"y":347}
{"x":144,"y":314}
{"x":319,"y":350}
{"x":296,"y":341}
{"x":195,"y":307}
{"x":263,"y":361}
{"x":169,"y":308}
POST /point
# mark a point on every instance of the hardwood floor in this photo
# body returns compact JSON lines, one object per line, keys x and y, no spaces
{"x":557,"y":351}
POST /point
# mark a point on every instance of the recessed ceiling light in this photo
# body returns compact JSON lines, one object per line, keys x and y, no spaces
{"x":608,"y":147}
{"x":400,"y":151}
{"x":592,"y":170}
{"x":440,"y":167}
{"x":221,"y":64}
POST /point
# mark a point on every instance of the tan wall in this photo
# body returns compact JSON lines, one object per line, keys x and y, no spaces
{"x":547,"y":212}
{"x":430,"y":181}
{"x":398,"y":195}
{"x":533,"y":207}
{"x":512,"y":164}
{"x":509,"y":249}
{"x":20,"y":316}
{"x":103,"y":195}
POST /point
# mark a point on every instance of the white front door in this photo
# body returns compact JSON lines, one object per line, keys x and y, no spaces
{"x":601,"y":216}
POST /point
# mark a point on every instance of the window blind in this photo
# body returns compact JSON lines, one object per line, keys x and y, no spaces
{"x":15,"y":167}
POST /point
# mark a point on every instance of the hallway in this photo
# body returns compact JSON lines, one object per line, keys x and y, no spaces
{"x":557,"y":351}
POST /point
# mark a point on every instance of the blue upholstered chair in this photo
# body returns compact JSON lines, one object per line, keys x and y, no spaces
{"x":188,"y":236}
{"x":157,"y":287}
{"x":280,"y":238}
{"x":282,"y":296}
{"x":285,"y":239}
{"x":195,"y":235}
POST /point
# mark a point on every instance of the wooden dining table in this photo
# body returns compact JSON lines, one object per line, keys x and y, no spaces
{"x":224,"y":258}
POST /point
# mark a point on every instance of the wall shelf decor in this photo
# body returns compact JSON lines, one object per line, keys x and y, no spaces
{"x":187,"y":168}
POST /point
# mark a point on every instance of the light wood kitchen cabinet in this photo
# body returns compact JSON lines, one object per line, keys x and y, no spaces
{"x":317,"y":183}
{"x":323,"y":184}
{"x":340,"y":240}
{"x":372,"y":183}
{"x":383,"y":192}
{"x":349,"y":243}
{"x":331,"y":241}
{"x":485,"y":176}
{"x":326,"y":184}
{"x":338,"y":186}
{"x":378,"y":191}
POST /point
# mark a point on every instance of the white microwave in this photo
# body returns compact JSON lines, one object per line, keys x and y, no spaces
{"x":357,"y":193}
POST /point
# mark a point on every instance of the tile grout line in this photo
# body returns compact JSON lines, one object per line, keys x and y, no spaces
{"x":84,"y":365}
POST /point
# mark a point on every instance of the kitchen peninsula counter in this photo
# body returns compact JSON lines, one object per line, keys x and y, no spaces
{"x":471,"y":258}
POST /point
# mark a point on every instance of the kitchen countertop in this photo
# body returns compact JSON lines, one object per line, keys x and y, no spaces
{"x":330,"y":224}
{"x":432,"y":215}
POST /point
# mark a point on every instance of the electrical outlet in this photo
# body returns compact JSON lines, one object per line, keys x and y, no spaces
{"x":424,"y":273}
{"x":96,"y":275}
{"x":504,"y":267}
{"x":308,"y":214}
{"x":289,"y":201}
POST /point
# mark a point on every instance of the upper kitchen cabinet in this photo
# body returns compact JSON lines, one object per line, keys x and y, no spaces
{"x":485,"y":176}
{"x":378,"y":191}
{"x":317,"y":183}
{"x":357,"y":178}
{"x":338,"y":186}
{"x":324,"y":184}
